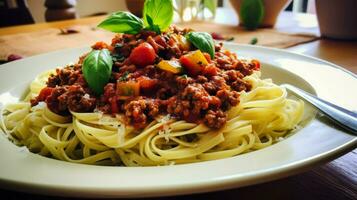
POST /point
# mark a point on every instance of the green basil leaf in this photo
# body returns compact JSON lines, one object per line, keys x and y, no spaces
{"x":152,"y":26}
{"x":97,"y":68}
{"x":203,"y":41}
{"x":161,"y":13}
{"x":122,"y":22}
{"x":251,"y":13}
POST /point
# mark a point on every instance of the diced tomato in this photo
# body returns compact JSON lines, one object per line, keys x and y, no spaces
{"x":210,"y":70}
{"x":227,"y":53}
{"x":147,"y":83}
{"x":101,"y":45}
{"x":194,"y":62}
{"x":256,"y":64}
{"x":143,"y":55}
{"x":45,"y":92}
{"x":128,"y":89}
{"x":207,"y":56}
{"x":191,"y":67}
{"x":113,"y":105}
{"x":217,"y":36}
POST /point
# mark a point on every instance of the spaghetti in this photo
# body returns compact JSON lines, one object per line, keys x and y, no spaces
{"x":152,"y":99}
{"x":263,"y":116}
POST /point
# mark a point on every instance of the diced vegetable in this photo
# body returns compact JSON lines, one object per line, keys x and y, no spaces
{"x":143,"y":55}
{"x":147,"y":83}
{"x":207,"y":56}
{"x":194,"y":62}
{"x":183,"y":43}
{"x":256,"y":64}
{"x":45,"y":92}
{"x":170,"y":65}
{"x":128,"y":89}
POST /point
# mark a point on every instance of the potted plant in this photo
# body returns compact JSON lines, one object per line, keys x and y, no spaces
{"x":258,"y":13}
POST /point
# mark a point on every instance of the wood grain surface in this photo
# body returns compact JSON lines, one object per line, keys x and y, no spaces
{"x":334,"y":180}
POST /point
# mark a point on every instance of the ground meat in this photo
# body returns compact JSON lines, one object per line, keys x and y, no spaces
{"x":78,"y":100}
{"x":216,"y":83}
{"x":138,"y":111}
{"x":154,"y":44}
{"x":215,"y":119}
{"x":243,"y":67}
{"x":65,"y":76}
{"x":203,"y":98}
{"x":192,"y":101}
{"x":53,"y":103}
{"x":127,"y":68}
{"x":201,"y":79}
{"x":183,"y":81}
{"x":74,"y":98}
{"x":240,"y":85}
{"x":228,"y":98}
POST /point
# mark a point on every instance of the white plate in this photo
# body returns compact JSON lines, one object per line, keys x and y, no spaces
{"x":318,"y":142}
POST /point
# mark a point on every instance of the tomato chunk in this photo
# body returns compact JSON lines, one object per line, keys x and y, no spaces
{"x":256,"y":64}
{"x":194,"y":62}
{"x":143,"y":55}
{"x":147,"y":83}
{"x":45,"y":92}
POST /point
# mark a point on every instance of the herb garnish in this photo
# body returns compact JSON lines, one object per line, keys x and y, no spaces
{"x":117,"y":56}
{"x":122,"y":22}
{"x":124,"y":77}
{"x":184,"y":76}
{"x":203,"y":41}
{"x":158,"y":15}
{"x":97,"y":68}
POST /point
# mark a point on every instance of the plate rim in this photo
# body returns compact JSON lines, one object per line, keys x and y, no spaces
{"x":206,"y":185}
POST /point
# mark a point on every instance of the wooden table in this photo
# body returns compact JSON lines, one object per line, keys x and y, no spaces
{"x":334,"y":180}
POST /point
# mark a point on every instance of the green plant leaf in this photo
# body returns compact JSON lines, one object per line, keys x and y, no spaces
{"x":210,"y":5}
{"x":122,"y":22}
{"x":254,"y":41}
{"x":161,"y":13}
{"x":251,"y":13}
{"x":153,"y":26}
{"x":97,"y":68}
{"x":203,"y":41}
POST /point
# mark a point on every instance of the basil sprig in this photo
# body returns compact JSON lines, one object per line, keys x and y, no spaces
{"x":203,"y":41}
{"x":122,"y":22}
{"x":97,"y":68}
{"x":158,"y":13}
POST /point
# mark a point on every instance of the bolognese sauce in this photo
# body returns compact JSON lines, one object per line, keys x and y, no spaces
{"x":154,"y":74}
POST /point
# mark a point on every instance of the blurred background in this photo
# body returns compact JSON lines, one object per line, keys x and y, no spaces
{"x":16,"y":12}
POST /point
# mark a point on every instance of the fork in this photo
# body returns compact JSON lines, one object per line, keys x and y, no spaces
{"x":346,"y":119}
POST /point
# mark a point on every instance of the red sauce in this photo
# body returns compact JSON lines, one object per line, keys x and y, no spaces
{"x":201,"y":97}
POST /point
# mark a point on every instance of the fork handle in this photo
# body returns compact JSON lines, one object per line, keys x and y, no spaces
{"x":343,"y":117}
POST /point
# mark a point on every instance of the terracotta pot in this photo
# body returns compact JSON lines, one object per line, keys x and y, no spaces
{"x":135,"y":7}
{"x":337,"y":18}
{"x":272,"y":8}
